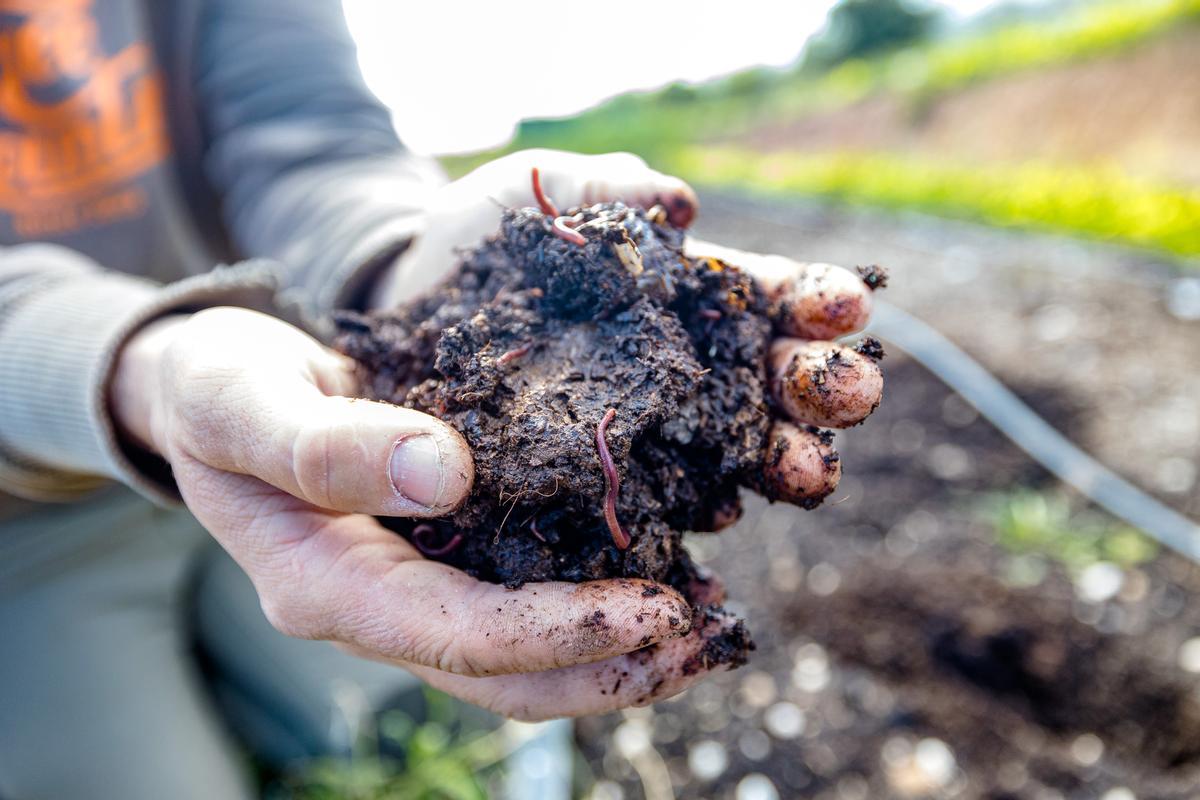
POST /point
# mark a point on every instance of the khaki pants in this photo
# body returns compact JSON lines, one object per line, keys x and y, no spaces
{"x":135,"y":663}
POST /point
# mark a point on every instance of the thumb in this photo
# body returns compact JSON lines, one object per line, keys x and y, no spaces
{"x":361,"y":456}
{"x":338,"y":453}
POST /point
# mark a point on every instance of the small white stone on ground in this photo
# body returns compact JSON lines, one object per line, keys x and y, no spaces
{"x":707,"y":759}
{"x":784,"y":720}
{"x":1118,"y":793}
{"x":811,"y":672}
{"x":1189,"y":655}
{"x":935,"y":758}
{"x":1087,"y":749}
{"x":1183,"y":298}
{"x":1099,"y":582}
{"x":755,"y":745}
{"x":824,"y":579}
{"x":759,"y":689}
{"x":607,"y":790}
{"x":756,"y":786}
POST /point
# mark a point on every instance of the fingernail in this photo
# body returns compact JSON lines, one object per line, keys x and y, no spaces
{"x":416,"y":469}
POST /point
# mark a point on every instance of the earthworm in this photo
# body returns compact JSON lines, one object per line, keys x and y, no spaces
{"x":612,"y":483}
{"x":422,"y":531}
{"x":544,"y":202}
{"x":533,"y":528}
{"x":515,"y":353}
{"x":563,"y":232}
{"x":710,"y":313}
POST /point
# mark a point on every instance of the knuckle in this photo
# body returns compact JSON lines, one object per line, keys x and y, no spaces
{"x":454,"y":657}
{"x":312,"y":463}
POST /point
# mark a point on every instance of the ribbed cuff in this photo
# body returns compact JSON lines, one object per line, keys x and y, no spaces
{"x":58,"y":347}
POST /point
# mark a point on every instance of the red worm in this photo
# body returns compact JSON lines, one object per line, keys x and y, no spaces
{"x":710,"y":313}
{"x":563,"y":232}
{"x":515,"y":353}
{"x":544,"y":202}
{"x":611,"y":482}
{"x":419,"y":535}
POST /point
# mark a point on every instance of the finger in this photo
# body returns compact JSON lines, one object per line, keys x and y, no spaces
{"x":818,"y":301}
{"x":822,"y":383}
{"x":809,"y":300}
{"x":636,"y":679}
{"x":800,"y":467}
{"x":342,"y":577}
{"x":335,"y":452}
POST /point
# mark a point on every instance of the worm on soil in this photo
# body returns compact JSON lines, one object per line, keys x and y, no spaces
{"x":543,"y":201}
{"x":421,"y":533}
{"x":611,"y":482}
{"x":513,"y":354}
{"x":563,"y":232}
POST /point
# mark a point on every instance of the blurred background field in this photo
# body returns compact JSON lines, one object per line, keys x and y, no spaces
{"x":1077,"y":117}
{"x":954,"y":622}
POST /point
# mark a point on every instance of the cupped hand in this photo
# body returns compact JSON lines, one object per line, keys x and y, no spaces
{"x":816,"y":382}
{"x":287,"y":470}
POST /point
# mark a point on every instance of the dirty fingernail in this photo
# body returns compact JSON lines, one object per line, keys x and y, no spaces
{"x":416,"y":469}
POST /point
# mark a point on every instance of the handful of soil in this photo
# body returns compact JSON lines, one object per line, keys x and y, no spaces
{"x":613,"y":390}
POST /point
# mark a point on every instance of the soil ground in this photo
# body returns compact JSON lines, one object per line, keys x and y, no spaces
{"x":897,"y":657}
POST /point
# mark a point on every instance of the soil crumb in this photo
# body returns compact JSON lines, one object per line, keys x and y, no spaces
{"x":873,"y":276}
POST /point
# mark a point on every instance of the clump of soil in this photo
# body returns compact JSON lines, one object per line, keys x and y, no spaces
{"x":613,"y":391}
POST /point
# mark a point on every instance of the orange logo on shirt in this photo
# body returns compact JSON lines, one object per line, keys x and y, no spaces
{"x":76,"y":125}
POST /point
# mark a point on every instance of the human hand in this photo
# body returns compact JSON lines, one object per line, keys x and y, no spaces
{"x":465,"y":211}
{"x":287,"y":471}
{"x":816,"y":382}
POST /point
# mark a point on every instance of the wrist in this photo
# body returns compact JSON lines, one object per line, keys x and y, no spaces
{"x":134,"y":391}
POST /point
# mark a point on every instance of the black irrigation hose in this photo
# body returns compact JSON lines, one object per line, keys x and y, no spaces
{"x":1031,"y":433}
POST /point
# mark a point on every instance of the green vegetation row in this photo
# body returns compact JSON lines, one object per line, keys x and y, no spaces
{"x":1098,"y":202}
{"x":657,"y":121}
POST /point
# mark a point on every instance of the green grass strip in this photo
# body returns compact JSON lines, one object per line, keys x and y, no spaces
{"x":1099,"y":202}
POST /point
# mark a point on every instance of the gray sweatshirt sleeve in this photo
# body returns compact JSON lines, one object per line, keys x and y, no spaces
{"x":312,"y":178}
{"x":305,"y":158}
{"x":63,"y":319}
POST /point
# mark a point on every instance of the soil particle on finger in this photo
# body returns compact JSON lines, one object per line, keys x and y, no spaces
{"x":729,"y":647}
{"x":870,"y":347}
{"x":874,"y":276}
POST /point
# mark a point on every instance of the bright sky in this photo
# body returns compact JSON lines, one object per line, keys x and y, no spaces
{"x":459,"y":76}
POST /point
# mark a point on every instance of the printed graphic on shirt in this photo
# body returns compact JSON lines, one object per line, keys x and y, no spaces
{"x":78,"y":125}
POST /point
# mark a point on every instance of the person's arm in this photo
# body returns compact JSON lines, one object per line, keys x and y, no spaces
{"x":63,"y":319}
{"x":306,"y":161}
